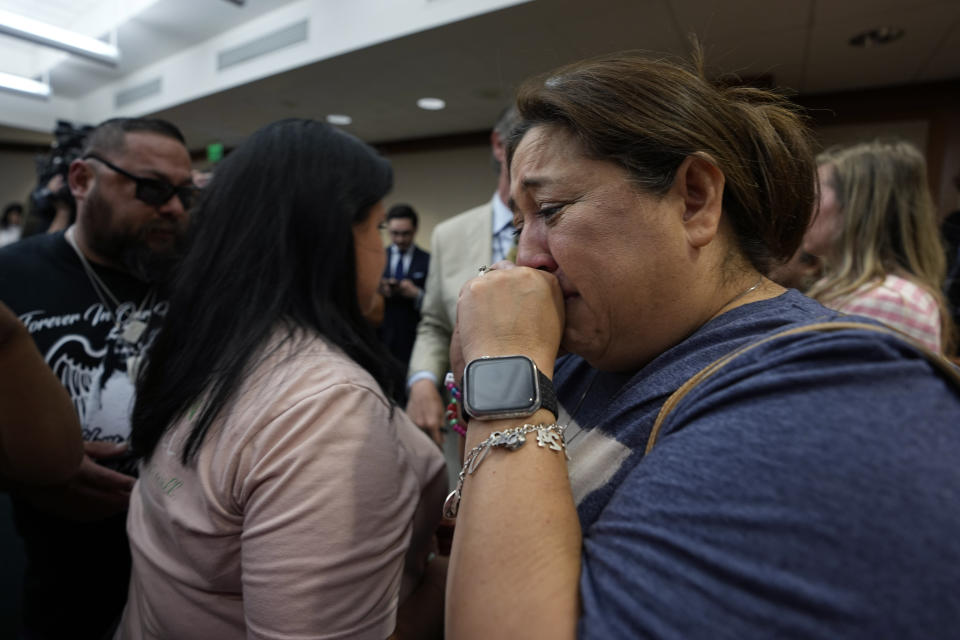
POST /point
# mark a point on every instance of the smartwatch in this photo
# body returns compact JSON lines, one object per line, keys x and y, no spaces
{"x":506,"y":387}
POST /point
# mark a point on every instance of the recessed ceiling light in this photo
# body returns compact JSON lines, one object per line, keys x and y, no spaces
{"x":431,"y":104}
{"x":339,"y":118}
{"x":876,"y":37}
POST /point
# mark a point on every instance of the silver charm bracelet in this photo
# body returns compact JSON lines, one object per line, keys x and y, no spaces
{"x":549,"y":436}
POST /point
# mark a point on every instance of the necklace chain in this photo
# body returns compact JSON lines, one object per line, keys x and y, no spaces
{"x":102,"y":290}
{"x":98,"y":285}
{"x":742,"y":294}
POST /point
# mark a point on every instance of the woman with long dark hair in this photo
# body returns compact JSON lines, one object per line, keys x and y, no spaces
{"x":282,"y":492}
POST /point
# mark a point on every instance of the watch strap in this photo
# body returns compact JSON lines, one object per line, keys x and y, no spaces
{"x":548,"y":397}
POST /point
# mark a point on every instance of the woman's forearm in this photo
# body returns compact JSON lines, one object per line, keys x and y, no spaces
{"x":515,"y":563}
{"x":421,"y":615}
{"x":40,"y":438}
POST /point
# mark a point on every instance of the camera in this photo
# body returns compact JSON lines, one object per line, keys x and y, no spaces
{"x":45,"y":200}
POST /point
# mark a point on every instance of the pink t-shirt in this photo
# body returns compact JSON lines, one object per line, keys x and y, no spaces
{"x":296,"y":518}
{"x":900,"y":304}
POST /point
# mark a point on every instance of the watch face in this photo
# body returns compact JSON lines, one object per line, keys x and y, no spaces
{"x":501,"y":386}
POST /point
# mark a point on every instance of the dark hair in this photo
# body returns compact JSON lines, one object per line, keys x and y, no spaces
{"x":110,"y":135}
{"x":648,"y":115}
{"x":403,"y":211}
{"x":508,"y":120}
{"x":7,"y":210}
{"x":271,"y":245}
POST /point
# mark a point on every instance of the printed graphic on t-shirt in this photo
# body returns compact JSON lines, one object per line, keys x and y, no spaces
{"x":90,"y":357}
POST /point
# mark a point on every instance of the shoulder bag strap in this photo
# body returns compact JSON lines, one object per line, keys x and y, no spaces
{"x":939,"y":362}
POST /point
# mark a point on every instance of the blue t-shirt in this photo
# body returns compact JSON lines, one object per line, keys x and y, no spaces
{"x":811,"y":488}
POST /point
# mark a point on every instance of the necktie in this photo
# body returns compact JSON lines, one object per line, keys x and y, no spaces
{"x":398,"y":269}
{"x":504,"y":247}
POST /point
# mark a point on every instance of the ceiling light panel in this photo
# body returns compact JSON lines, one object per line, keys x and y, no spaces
{"x":91,"y":18}
{"x":56,"y":12}
{"x":28,"y":59}
{"x":23,"y":86}
{"x":46,"y":34}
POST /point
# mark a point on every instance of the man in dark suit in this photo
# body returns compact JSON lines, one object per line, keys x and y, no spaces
{"x":404,"y":278}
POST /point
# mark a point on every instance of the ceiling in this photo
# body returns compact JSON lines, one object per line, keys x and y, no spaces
{"x":475,"y":64}
{"x":160,"y":30}
{"x":146,"y":30}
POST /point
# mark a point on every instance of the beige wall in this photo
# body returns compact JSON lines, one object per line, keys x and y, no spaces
{"x":440,"y":184}
{"x":17,"y":177}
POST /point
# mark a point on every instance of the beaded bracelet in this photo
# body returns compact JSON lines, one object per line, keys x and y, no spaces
{"x":452,"y":416}
{"x":549,"y":436}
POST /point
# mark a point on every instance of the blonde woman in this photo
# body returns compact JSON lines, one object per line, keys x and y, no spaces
{"x":876,"y":230}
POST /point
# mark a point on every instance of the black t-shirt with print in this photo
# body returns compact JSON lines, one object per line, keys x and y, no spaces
{"x":77,"y":572}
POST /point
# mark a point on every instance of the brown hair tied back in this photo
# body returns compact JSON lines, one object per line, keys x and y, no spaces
{"x":647,"y":115}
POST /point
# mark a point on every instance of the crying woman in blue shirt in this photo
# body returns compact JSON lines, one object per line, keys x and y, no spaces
{"x":741,"y":462}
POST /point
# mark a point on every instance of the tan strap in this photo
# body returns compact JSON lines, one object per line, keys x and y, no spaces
{"x":938,"y":361}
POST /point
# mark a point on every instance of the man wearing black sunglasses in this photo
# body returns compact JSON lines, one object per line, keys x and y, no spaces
{"x":139,"y":213}
{"x":92,"y":299}
{"x":152,"y":191}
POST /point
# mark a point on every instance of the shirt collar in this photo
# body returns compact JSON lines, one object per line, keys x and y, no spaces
{"x":502,"y":216}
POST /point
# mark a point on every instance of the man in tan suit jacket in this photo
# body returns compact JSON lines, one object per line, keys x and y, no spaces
{"x":458,"y":246}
